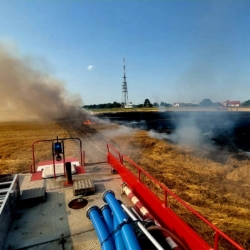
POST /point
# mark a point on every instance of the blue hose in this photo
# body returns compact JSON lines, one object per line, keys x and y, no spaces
{"x":127,"y":232}
{"x":119,"y":243}
{"x":107,"y":217}
{"x":100,"y":228}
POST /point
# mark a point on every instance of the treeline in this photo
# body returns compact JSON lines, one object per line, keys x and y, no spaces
{"x":246,"y":103}
{"x":208,"y":103}
{"x":103,"y":106}
{"x":162,"y":104}
{"x":146,"y":104}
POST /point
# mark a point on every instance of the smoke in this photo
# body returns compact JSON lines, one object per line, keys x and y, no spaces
{"x":159,"y":136}
{"x":196,"y":129}
{"x":28,"y":92}
{"x":212,"y":135}
{"x":120,"y":131}
{"x":185,"y":134}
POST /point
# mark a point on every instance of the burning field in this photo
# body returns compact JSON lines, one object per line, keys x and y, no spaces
{"x":213,"y":180}
{"x":219,"y":191}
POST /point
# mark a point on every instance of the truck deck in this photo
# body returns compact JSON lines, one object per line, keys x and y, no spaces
{"x":52,"y":224}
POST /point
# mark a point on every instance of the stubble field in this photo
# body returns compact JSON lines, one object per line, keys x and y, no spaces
{"x":16,"y":140}
{"x":220,"y":192}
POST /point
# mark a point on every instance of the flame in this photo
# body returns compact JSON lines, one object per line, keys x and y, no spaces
{"x":87,"y":122}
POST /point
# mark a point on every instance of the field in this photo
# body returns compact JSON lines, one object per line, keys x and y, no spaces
{"x":220,"y":192}
{"x":96,"y":111}
{"x":16,"y":142}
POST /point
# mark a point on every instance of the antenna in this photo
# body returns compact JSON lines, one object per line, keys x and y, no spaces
{"x":124,"y":86}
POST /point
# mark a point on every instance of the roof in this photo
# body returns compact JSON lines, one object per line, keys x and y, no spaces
{"x":232,"y":102}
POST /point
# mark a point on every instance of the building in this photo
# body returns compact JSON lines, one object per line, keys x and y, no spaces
{"x":184,"y":104}
{"x":231,"y":103}
{"x":129,"y":106}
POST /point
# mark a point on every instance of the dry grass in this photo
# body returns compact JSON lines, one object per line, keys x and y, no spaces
{"x":16,"y":139}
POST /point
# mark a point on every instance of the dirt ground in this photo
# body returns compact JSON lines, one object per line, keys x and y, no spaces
{"x":219,"y":191}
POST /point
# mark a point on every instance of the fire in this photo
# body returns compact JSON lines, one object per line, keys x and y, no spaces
{"x":87,"y":122}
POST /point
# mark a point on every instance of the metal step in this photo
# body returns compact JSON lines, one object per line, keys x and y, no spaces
{"x":5,"y":183}
{"x":32,"y":196}
{"x":4,"y":190}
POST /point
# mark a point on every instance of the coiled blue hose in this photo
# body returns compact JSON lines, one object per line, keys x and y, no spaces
{"x":100,"y":228}
{"x":119,"y":244}
{"x":127,"y":232}
{"x":107,"y":217}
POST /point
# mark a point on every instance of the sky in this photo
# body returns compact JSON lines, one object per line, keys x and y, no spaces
{"x":175,"y":51}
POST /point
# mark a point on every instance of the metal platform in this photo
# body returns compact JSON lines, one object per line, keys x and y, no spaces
{"x":52,"y":224}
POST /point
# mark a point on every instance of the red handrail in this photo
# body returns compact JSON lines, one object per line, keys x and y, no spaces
{"x":33,"y":166}
{"x":115,"y":150}
{"x":167,"y":192}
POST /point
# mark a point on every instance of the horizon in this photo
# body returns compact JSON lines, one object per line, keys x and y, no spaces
{"x":173,"y":102}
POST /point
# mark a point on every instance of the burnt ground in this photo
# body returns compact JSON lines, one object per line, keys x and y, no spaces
{"x":227,"y":130}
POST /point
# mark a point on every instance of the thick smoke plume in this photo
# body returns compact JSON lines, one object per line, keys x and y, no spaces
{"x":26,"y":92}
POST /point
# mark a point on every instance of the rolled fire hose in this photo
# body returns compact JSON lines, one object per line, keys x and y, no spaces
{"x":119,"y":243}
{"x":100,"y":228}
{"x":127,"y":232}
{"x":107,"y":217}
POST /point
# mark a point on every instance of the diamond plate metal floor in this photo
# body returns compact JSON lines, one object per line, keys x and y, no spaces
{"x":43,"y":226}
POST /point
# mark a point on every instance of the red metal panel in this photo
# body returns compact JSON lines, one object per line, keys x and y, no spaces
{"x":113,"y":161}
{"x":164,"y":215}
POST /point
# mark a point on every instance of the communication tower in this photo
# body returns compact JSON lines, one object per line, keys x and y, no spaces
{"x":124,"y":87}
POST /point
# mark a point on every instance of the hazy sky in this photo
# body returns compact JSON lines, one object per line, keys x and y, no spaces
{"x":176,"y":51}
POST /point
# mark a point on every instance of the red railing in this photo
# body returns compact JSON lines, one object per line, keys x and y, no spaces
{"x":33,"y":166}
{"x":160,"y":210}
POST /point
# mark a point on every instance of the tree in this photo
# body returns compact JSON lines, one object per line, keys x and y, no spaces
{"x":116,"y":105}
{"x":246,"y":103}
{"x":147,"y":103}
{"x":164,"y":104}
{"x":206,"y":103}
{"x":156,"y":104}
{"x":140,"y":105}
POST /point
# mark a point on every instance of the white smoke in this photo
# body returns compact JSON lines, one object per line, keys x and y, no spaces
{"x":159,"y":136}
